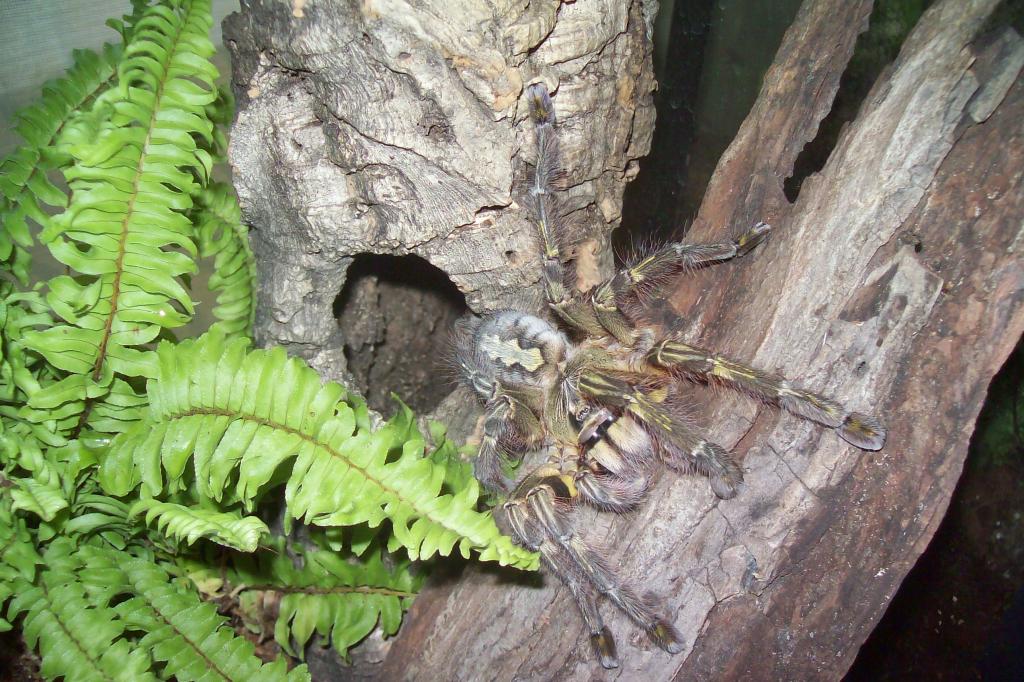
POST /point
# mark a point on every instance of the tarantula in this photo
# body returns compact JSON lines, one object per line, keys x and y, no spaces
{"x":603,"y":408}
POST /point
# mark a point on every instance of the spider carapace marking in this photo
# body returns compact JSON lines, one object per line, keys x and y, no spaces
{"x":600,"y":402}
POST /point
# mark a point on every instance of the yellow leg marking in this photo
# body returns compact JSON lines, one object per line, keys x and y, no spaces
{"x":730,"y":371}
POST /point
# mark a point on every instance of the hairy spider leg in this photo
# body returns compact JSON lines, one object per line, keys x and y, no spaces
{"x":541,"y":501}
{"x":582,"y":590}
{"x":528,"y":531}
{"x":856,"y":428}
{"x":645,"y":416}
{"x":574,"y":309}
{"x":505,"y":419}
{"x":651,"y":271}
{"x":538,"y":505}
{"x":682,"y":449}
{"x":635,"y":282}
{"x":487,"y":466}
{"x":547,"y":173}
{"x":610,"y":492}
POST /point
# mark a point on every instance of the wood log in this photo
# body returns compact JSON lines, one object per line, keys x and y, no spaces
{"x":894,"y":283}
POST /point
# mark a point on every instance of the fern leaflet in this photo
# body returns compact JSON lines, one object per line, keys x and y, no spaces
{"x":183,"y":632}
{"x":18,"y":556}
{"x":189,"y":523}
{"x":341,"y":600}
{"x":76,"y":640}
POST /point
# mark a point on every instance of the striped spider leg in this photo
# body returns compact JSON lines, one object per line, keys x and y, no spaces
{"x":602,"y":310}
{"x":687,"y":361}
{"x":537,"y":514}
{"x":647,"y":423}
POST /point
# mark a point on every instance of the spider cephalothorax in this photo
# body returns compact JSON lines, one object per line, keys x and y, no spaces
{"x":599,"y":404}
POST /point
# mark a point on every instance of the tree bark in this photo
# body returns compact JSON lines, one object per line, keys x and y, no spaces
{"x":394,"y":127}
{"x":893,"y":282}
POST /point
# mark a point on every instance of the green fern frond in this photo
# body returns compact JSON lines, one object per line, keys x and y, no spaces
{"x":183,"y":632}
{"x":223,"y":237}
{"x":23,"y":174}
{"x":126,"y":231}
{"x":76,"y":640}
{"x":57,"y":484}
{"x":230,"y":529}
{"x":80,"y":636}
{"x":341,"y":600}
{"x":238,"y":416}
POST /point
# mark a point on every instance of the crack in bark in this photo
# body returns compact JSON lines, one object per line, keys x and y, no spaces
{"x":792,"y":472}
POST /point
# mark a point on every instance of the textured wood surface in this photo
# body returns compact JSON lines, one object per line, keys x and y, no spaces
{"x":893,"y":283}
{"x":391,"y":127}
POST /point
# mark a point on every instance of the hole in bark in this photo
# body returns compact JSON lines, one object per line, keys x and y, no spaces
{"x":395,"y":313}
{"x":876,"y":48}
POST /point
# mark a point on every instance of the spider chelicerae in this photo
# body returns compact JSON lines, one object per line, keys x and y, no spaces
{"x":600,"y":403}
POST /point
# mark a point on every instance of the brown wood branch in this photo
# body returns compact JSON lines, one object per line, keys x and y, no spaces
{"x":796,"y":95}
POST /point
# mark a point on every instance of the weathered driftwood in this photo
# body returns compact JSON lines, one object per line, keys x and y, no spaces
{"x":894,"y":283}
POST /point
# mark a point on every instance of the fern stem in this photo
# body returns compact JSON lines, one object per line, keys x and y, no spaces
{"x":339,"y":589}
